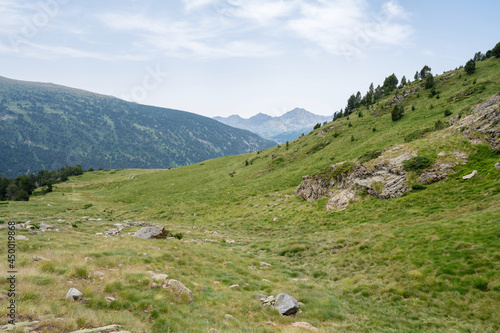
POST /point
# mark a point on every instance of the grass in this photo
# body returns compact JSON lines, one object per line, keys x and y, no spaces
{"x":426,"y":261}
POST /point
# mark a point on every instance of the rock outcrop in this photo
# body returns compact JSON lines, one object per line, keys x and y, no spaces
{"x":383,"y":177}
{"x":485,"y":119}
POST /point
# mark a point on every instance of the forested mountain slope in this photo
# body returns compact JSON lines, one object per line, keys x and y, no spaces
{"x":46,"y":126}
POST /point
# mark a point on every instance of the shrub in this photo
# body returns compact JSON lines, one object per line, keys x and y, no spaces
{"x":178,"y":235}
{"x":438,"y":125}
{"x":370,"y":155}
{"x":397,"y":113}
{"x":417,"y":163}
{"x":417,"y":187}
{"x":496,"y":51}
{"x":447,"y":113}
{"x":470,"y":66}
{"x":318,"y":125}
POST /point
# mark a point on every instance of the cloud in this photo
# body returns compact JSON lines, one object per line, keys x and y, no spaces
{"x":261,"y":11}
{"x":347,"y":27}
{"x":196,"y":4}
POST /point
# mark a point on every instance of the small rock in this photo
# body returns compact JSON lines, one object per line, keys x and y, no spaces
{"x":21,"y":237}
{"x":104,"y":329}
{"x":286,"y":304}
{"x":470,"y":175}
{"x":228,"y":316}
{"x":74,"y":294}
{"x":160,"y":277}
{"x":87,"y":258}
{"x":305,"y":325}
{"x":497,"y":165}
{"x":264,"y":264}
{"x":179,"y":290}
{"x":213,"y":330}
{"x":234,"y":286}
{"x":45,"y":227}
{"x":36,"y":233}
{"x":110,"y":299}
{"x":252,"y":267}
{"x":441,"y":153}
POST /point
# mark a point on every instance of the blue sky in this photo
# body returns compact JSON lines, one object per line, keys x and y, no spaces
{"x":223,"y":57}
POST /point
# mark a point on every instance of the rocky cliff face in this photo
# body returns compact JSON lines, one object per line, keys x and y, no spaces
{"x":484,"y":119}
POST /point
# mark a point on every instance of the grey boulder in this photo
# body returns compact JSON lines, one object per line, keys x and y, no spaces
{"x":152,"y":232}
{"x":286,"y":304}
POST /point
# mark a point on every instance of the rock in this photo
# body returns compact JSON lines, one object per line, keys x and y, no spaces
{"x":160,"y":277}
{"x":104,"y":329}
{"x":383,"y":177}
{"x":470,"y":175}
{"x":286,"y":304}
{"x":497,"y":165}
{"x":431,"y":177}
{"x":36,"y":233}
{"x":264,"y":264}
{"x":441,"y":153}
{"x":252,"y":267}
{"x":152,"y":232}
{"x":21,"y":237}
{"x":45,"y":227}
{"x":305,"y":325}
{"x":74,"y":294}
{"x":110,"y":299}
{"x":25,"y":325}
{"x":37,"y":258}
{"x":485,"y":119}
{"x":341,"y":200}
{"x":213,"y":330}
{"x":234,"y":286}
{"x":267,"y":301}
{"x":179,"y":290}
{"x":228,"y":316}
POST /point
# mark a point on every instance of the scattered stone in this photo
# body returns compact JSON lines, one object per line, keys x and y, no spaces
{"x":252,"y":267}
{"x":21,"y":237}
{"x":74,"y":294}
{"x":264,"y":264}
{"x":104,"y":329}
{"x":37,"y":258}
{"x":470,"y":175}
{"x":36,"y":233}
{"x":179,"y":290}
{"x":235,"y":286}
{"x":26,"y":325}
{"x":267,"y":301}
{"x":228,"y":316}
{"x":154,"y":285}
{"x":152,"y":232}
{"x":441,"y":153}
{"x":160,"y":277}
{"x":286,"y":304}
{"x":213,"y":330}
{"x":497,"y":165}
{"x":46,"y":227}
{"x":305,"y":325}
{"x":110,"y":299}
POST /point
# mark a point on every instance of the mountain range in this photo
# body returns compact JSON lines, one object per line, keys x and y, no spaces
{"x":47,"y":126}
{"x":287,"y":127}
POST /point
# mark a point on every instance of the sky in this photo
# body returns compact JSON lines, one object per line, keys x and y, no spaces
{"x":224,"y":57}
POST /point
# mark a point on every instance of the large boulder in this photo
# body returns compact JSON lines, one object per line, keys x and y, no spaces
{"x":286,"y":304}
{"x":152,"y":232}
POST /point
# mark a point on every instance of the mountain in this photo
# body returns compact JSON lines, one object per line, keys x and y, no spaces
{"x":46,"y":126}
{"x":371,"y":224}
{"x":279,"y":129}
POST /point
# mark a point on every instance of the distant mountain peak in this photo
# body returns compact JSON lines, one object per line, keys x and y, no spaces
{"x":289,"y":125}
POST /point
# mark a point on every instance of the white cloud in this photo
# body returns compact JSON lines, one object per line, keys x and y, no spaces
{"x":196,"y":4}
{"x":346,"y":27}
{"x":262,"y":11}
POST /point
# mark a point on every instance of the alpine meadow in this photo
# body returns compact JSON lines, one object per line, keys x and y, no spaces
{"x":384,"y":219}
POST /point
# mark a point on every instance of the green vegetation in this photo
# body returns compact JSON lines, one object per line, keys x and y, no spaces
{"x":46,"y":126}
{"x":428,"y":261}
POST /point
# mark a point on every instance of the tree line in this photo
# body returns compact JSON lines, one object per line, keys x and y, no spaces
{"x":392,"y":83}
{"x":21,"y":187}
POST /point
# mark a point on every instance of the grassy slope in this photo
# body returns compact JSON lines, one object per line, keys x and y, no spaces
{"x":427,"y":261}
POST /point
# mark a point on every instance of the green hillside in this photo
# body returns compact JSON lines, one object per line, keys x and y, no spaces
{"x":46,"y":126}
{"x":425,"y":261}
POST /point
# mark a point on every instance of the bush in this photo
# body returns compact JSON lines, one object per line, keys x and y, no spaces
{"x":447,"y":113}
{"x":417,"y":163}
{"x":417,"y":187}
{"x":429,"y":81}
{"x":496,"y":51}
{"x":178,"y":235}
{"x":397,"y":113}
{"x":318,"y":125}
{"x":370,"y":155}
{"x":470,"y":67}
